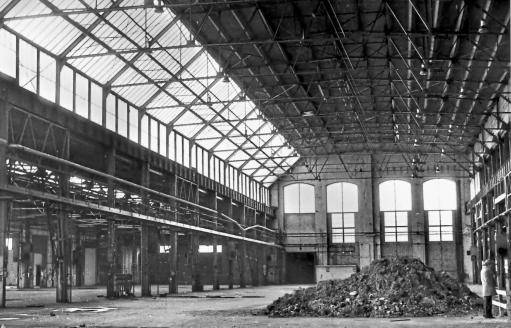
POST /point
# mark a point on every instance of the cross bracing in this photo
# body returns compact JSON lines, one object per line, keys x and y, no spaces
{"x":160,"y":79}
{"x":259,"y":83}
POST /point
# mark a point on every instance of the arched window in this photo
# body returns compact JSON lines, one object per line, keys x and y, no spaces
{"x":440,"y":202}
{"x":299,"y":198}
{"x":342,"y":204}
{"x":395,"y":203}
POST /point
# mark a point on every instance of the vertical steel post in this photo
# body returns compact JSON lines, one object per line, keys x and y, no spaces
{"x":4,"y":200}
{"x":111,"y":233}
{"x":216,"y":281}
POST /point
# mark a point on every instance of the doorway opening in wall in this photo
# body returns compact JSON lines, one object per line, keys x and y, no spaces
{"x":300,"y":268}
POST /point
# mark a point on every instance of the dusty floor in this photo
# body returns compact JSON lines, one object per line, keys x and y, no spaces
{"x":224,"y":308}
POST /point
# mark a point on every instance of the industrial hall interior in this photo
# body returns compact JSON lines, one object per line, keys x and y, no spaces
{"x":154,"y":149}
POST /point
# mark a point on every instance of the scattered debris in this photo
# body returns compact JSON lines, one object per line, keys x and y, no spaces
{"x":87,"y":309}
{"x":387,"y":288}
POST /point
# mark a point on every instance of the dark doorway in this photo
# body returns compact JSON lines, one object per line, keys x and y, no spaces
{"x":38,"y":272}
{"x":300,"y":268}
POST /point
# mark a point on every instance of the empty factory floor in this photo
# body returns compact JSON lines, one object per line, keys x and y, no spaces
{"x":224,"y":308}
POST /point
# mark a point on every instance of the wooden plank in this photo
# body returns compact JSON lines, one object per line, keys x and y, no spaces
{"x":501,"y":292}
{"x":499,"y":304}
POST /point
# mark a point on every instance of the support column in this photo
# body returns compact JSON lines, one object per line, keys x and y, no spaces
{"x":63,"y":259}
{"x":173,"y":254}
{"x":255,"y":271}
{"x":110,"y":257}
{"x":144,"y":259}
{"x":508,"y":236}
{"x":111,"y":247}
{"x":144,"y":238}
{"x":63,"y":240}
{"x":4,"y":200}
{"x":26,"y":250}
{"x":508,"y":276}
{"x":243,"y":251}
{"x":194,"y":250}
{"x":230,"y":264}
{"x":173,"y":260}
{"x":194,"y":258}
{"x":230,"y":251}
{"x":216,"y":279}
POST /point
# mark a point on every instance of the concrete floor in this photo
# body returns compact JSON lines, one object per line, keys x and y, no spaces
{"x":224,"y":308}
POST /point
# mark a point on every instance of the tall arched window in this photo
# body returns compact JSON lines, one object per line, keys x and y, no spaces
{"x":395,"y":203}
{"x":440,"y":202}
{"x":299,"y":198}
{"x":342,"y":204}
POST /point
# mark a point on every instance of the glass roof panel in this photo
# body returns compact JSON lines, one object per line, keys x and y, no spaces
{"x":137,"y":94}
{"x":180,"y":92}
{"x":260,"y":174}
{"x":166,"y":115}
{"x":238,"y":158}
{"x":51,"y":33}
{"x":149,"y":59}
{"x":203,"y":111}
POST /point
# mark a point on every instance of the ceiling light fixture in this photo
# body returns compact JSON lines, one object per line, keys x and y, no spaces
{"x":159,"y":7}
{"x":225,"y":78}
{"x":424,"y":70}
{"x":483,"y":28}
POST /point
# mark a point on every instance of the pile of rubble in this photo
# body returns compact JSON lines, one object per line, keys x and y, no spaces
{"x":387,"y":288}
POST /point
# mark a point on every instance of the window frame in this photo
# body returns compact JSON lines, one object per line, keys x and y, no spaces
{"x":333,"y":235}
{"x":440,"y":226}
{"x":393,"y":232}
{"x":299,"y":184}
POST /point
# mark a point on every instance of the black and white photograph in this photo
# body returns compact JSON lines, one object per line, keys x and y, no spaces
{"x":255,"y":163}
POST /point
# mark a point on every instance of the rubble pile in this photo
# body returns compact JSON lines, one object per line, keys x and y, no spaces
{"x":387,"y":288}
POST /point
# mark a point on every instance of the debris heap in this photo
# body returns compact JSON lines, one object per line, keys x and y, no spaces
{"x":387,"y":288}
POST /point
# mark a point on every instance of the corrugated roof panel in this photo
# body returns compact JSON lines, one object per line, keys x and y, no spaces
{"x":224,"y":127}
{"x":170,"y":63}
{"x":100,"y":68}
{"x":234,"y":121}
{"x":137,"y":94}
{"x":226,"y":144}
{"x":270,"y":180}
{"x":26,"y":7}
{"x":203,"y":111}
{"x":188,"y":130}
{"x":51,"y":33}
{"x":166,"y":115}
{"x":130,"y":76}
{"x":110,"y":37}
{"x":203,"y":66}
{"x":87,"y":47}
{"x":151,"y":68}
{"x":196,"y":87}
{"x":224,"y":154}
{"x":238,"y":158}
{"x":260,"y":174}
{"x":223,"y":91}
{"x":188,"y":118}
{"x":180,"y":92}
{"x":68,"y":4}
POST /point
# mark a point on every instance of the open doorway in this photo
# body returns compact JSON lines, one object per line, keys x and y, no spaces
{"x":300,"y":268}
